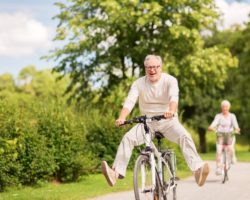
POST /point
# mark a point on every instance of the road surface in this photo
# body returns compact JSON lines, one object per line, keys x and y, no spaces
{"x":237,"y":188}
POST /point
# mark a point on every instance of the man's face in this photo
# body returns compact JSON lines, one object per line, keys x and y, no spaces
{"x":153,"y":70}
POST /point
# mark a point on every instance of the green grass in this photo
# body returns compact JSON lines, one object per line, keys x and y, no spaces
{"x":87,"y":187}
{"x":242,"y":156}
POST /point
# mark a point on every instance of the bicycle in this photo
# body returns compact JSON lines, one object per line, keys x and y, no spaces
{"x":154,"y":171}
{"x":226,"y":155}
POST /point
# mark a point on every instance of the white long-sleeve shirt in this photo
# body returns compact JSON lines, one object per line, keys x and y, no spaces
{"x":154,"y":98}
{"x":225,"y":124}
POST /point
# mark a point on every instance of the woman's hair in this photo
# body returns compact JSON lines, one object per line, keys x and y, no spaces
{"x":148,"y":57}
{"x":225,"y":102}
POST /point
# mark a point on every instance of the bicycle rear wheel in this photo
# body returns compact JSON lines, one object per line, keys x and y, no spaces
{"x":143,"y":186}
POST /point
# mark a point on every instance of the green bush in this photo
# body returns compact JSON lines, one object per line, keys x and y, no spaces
{"x":65,"y":132}
{"x":9,"y":168}
{"x":36,"y":158}
{"x":41,"y":140}
{"x":103,"y":136}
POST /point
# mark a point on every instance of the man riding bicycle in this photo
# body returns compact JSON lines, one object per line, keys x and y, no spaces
{"x":158,"y":94}
{"x":224,"y":124}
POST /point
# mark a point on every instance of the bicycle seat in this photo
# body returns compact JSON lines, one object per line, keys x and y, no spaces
{"x":158,"y":135}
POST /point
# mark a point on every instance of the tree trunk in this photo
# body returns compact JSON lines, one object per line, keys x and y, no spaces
{"x":202,"y":140}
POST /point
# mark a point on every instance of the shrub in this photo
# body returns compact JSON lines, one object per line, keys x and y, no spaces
{"x":64,"y":129}
{"x":41,"y":140}
{"x":9,"y":168}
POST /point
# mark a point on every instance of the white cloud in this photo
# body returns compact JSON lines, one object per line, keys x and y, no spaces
{"x":232,"y":13}
{"x":21,"y":35}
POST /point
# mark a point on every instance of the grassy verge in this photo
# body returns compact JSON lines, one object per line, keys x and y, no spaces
{"x":242,"y":156}
{"x":87,"y":187}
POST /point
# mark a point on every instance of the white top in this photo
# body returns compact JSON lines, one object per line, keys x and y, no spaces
{"x":154,"y":98}
{"x":225,"y":124}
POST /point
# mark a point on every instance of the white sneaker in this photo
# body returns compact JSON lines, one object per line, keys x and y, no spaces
{"x":218,"y":171}
{"x":234,"y":160}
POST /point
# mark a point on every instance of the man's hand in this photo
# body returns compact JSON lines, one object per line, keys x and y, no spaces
{"x":168,"y":114}
{"x":119,"y":121}
{"x":122,"y":118}
{"x":171,"y":110}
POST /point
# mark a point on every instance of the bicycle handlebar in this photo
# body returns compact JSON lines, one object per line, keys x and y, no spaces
{"x":143,"y":119}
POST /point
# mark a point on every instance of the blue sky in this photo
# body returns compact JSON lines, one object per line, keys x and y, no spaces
{"x":27,"y":30}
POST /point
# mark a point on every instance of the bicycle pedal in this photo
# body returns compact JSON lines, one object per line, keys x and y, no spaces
{"x":146,"y":191}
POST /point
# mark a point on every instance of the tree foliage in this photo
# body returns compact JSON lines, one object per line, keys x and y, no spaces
{"x":107,"y":41}
{"x":236,"y":87}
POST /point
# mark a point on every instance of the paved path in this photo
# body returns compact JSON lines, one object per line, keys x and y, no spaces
{"x":237,"y":188}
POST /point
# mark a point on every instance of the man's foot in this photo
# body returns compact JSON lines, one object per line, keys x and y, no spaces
{"x":201,"y":174}
{"x":110,"y":174}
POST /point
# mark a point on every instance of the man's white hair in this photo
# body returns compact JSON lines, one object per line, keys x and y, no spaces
{"x":225,"y":103}
{"x":148,"y":57}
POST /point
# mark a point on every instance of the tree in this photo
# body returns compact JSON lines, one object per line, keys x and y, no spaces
{"x":7,"y":85}
{"x":236,"y":87}
{"x":41,"y":83}
{"x":201,"y":85}
{"x":106,"y":42}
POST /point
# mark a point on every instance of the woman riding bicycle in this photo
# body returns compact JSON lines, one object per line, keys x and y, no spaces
{"x":158,"y":94}
{"x":225,"y":124}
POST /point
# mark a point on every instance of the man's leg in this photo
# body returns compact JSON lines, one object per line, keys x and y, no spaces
{"x":175,"y":132}
{"x":132,"y":138}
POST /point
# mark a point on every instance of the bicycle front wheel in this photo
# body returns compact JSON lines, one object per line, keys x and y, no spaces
{"x":143,"y":185}
{"x":226,"y":165}
{"x":169,"y":184}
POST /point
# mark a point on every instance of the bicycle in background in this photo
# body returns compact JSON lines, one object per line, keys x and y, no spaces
{"x":154,"y":171}
{"x":226,"y":155}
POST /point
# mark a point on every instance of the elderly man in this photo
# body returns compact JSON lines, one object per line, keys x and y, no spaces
{"x":158,"y":94}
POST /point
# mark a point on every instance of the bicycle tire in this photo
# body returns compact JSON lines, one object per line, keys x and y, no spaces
{"x":146,"y":190}
{"x":167,"y":180}
{"x":226,"y":166}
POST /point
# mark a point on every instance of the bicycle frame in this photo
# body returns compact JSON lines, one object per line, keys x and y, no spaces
{"x":158,"y":155}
